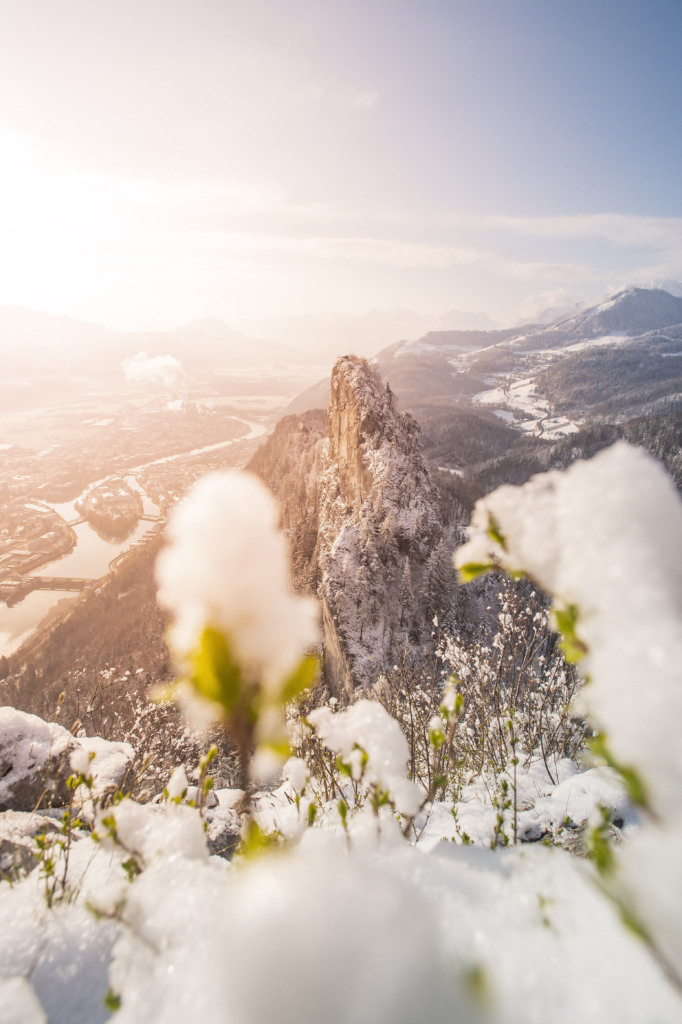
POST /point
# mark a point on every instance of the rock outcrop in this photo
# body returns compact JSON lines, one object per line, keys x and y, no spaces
{"x":369,"y":531}
{"x":289,"y":463}
{"x":35,"y":762}
{"x":383,"y":557}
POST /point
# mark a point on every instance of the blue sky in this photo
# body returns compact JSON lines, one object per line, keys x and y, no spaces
{"x":166,"y":159}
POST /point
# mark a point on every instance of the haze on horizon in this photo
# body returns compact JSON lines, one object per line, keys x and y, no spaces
{"x":166,"y":161}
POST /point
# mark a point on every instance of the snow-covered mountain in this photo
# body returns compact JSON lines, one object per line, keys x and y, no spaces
{"x":548,"y":314}
{"x":630,"y":312}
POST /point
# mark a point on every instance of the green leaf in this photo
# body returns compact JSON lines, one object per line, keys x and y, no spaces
{"x":112,"y":1001}
{"x":312,"y":812}
{"x":477,"y":984}
{"x":300,"y":679}
{"x":216,"y":674}
{"x":436,"y":738}
{"x":566,"y":619}
{"x":131,"y":868}
{"x":255,"y":841}
{"x":472,"y":570}
{"x":495,"y":533}
{"x":280,"y":747}
{"x":599,"y":844}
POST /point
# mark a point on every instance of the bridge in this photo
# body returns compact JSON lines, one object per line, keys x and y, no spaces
{"x":14,"y":590}
{"x":143,"y":518}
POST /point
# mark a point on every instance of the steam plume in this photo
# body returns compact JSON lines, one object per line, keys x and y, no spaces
{"x":165,"y":370}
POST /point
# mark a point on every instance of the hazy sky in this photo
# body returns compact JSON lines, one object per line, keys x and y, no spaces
{"x":162,"y":160}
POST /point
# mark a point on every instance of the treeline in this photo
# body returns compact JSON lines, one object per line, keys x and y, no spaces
{"x":660,"y":435}
{"x":609,"y":379}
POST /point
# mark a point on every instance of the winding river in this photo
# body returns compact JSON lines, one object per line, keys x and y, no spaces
{"x":89,"y":559}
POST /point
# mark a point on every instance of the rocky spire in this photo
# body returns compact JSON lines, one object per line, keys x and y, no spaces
{"x":373,"y":482}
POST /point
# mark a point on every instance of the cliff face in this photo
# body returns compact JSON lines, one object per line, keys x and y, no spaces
{"x":289,"y":463}
{"x":384,"y":562}
{"x":370,"y":533}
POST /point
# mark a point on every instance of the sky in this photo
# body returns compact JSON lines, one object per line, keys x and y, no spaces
{"x":163,"y":160}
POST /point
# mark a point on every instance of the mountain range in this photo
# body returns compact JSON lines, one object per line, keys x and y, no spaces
{"x":335,"y":334}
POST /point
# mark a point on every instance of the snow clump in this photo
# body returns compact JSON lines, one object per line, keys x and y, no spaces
{"x":226,"y":567}
{"x":32,"y":759}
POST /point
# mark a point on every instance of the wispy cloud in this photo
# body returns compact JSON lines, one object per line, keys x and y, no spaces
{"x":342,"y":96}
{"x":539,"y":271}
{"x":365,"y":99}
{"x":395,"y":253}
{"x":619,"y":229}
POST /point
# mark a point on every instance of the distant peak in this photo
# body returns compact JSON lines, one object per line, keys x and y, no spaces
{"x":205,"y":324}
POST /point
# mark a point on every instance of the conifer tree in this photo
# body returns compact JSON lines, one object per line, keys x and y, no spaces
{"x":439,"y":580}
{"x":388,"y":544}
{"x":405,"y":596}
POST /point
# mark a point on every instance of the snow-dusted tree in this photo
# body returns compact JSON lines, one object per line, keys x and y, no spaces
{"x":405,"y":596}
{"x":439,"y":582}
{"x":388,"y":544}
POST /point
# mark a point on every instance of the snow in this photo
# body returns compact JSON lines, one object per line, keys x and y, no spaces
{"x":178,"y":783}
{"x":18,"y":1003}
{"x":109,"y":765}
{"x":542,"y":807}
{"x":264,"y":938}
{"x":227,"y":566}
{"x":605,"y":339}
{"x":296,"y":772}
{"x":153,"y":831}
{"x":64,"y":951}
{"x":267,"y":938}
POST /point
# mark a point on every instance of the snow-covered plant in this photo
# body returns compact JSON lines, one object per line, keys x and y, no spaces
{"x":517,"y":690}
{"x":482,"y":709}
{"x":372,"y":756}
{"x":239,"y":633}
{"x":604,"y":539}
{"x":410,"y":686}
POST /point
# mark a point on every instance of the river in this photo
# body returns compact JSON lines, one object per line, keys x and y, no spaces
{"x":89,"y":559}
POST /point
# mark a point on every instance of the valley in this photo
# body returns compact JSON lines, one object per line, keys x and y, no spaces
{"x":487,"y":408}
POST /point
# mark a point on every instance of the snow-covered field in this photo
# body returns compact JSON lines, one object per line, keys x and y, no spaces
{"x":521,"y":394}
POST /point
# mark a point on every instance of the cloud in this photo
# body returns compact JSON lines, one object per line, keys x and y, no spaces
{"x":544,"y":271}
{"x":396,"y":253}
{"x":620,"y":229}
{"x":552,"y":298}
{"x":365,"y":99}
{"x":165,"y":370}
